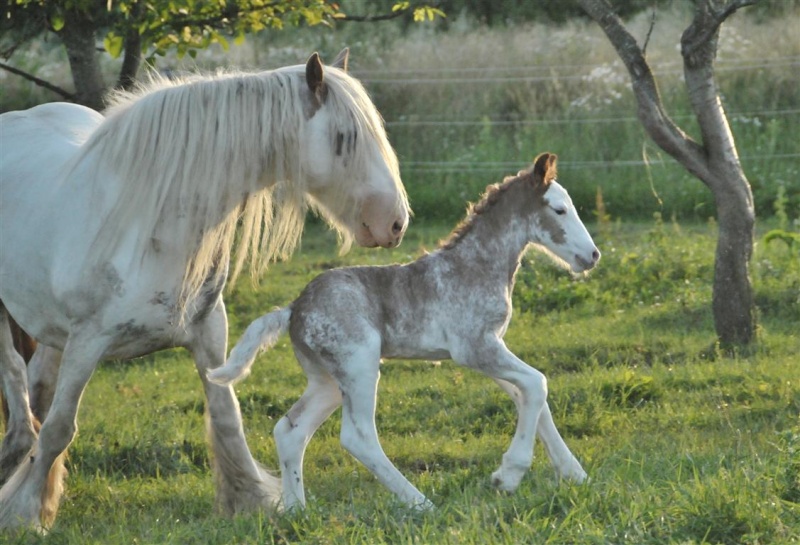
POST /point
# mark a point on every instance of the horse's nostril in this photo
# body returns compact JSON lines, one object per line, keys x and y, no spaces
{"x":397,"y":227}
{"x":595,"y":255}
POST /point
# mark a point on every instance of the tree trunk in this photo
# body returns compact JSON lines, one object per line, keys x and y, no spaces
{"x":131,"y":60}
{"x":79,"y":39}
{"x":732,"y":300}
{"x":715,"y":161}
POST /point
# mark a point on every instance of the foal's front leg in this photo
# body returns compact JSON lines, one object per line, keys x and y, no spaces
{"x":564,"y":462}
{"x":492,"y":358}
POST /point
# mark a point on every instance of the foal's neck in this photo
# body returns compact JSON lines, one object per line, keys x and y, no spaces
{"x":495,"y":235}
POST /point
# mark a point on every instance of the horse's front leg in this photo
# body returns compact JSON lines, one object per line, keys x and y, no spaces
{"x":561,"y":457}
{"x":32,"y":494}
{"x":20,"y":431}
{"x":491,"y":357}
{"x":242,"y":484}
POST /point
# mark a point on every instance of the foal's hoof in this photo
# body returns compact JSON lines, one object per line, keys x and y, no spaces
{"x":425,"y":506}
{"x":503,"y":482}
{"x":573,"y":472}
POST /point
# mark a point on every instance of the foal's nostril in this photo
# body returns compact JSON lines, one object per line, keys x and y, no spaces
{"x":397,"y":227}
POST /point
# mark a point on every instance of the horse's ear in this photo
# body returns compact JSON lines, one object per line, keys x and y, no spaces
{"x":342,"y":59}
{"x":314,"y":75}
{"x":544,"y":169}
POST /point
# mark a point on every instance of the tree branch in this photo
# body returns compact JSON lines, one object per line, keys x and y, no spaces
{"x":651,"y":112}
{"x":40,"y":82}
{"x":373,"y":18}
{"x":711,"y":26}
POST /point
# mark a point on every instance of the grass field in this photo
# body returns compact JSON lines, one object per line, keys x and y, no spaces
{"x":682,"y":446}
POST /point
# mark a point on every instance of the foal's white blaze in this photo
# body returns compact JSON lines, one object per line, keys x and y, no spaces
{"x":570,"y":241}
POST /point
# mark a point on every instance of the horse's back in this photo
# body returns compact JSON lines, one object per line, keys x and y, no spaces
{"x":63,"y":120}
{"x":36,"y":146}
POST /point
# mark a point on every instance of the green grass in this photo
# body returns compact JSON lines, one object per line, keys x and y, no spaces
{"x":682,"y":445}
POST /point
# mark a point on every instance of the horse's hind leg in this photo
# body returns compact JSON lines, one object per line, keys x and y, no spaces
{"x":20,"y":431}
{"x":42,"y":376}
{"x":293,"y":432}
{"x":242,"y":484}
{"x":564,"y":462}
{"x":32,"y":494}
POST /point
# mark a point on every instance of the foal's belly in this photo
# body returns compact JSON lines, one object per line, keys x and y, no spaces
{"x":414,"y":353}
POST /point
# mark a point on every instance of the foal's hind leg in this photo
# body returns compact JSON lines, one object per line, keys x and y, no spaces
{"x":242,"y":484}
{"x":293,"y":432}
{"x":20,"y":432}
{"x":564,"y":462}
{"x":358,"y":376}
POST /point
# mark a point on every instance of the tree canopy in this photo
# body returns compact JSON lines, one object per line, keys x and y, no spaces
{"x":140,"y":29}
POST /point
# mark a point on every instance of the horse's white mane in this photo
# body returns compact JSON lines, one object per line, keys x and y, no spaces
{"x":203,"y":155}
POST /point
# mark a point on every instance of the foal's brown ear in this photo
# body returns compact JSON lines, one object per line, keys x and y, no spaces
{"x":314,"y":76}
{"x":342,"y":59}
{"x":544,"y":169}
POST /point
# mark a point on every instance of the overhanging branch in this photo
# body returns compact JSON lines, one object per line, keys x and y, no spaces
{"x":40,"y":82}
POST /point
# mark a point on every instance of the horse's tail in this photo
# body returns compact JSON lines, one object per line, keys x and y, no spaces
{"x":260,"y":335}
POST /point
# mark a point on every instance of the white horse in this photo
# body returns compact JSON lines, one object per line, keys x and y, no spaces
{"x":116,"y":235}
{"x":452,"y":303}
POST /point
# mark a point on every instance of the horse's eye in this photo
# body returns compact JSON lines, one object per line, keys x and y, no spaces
{"x":560,"y":211}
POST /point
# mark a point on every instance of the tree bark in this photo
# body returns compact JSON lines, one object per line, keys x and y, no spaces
{"x":131,"y":60}
{"x":79,"y":39}
{"x":715,"y":161}
{"x":732,"y":299}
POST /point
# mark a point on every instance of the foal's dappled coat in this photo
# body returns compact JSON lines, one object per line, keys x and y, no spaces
{"x":452,"y":303}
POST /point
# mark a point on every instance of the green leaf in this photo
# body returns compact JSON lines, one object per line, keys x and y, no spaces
{"x":57,"y":21}
{"x":113,"y":44}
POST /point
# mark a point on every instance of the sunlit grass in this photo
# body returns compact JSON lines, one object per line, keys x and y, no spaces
{"x":682,"y":445}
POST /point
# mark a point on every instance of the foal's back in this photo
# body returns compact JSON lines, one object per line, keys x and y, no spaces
{"x":416,"y":310}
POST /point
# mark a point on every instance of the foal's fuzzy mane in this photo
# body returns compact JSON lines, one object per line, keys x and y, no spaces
{"x":490,"y":197}
{"x":202,"y":155}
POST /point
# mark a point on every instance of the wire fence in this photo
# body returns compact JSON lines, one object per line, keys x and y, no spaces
{"x":443,"y":167}
{"x":537,"y":73}
{"x":587,"y":72}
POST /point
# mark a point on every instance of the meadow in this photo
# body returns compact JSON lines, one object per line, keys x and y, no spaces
{"x":683,"y":444}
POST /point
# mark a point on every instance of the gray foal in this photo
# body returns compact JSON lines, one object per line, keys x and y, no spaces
{"x":452,"y":303}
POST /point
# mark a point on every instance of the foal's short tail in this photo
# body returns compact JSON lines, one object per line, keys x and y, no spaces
{"x":260,"y":335}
